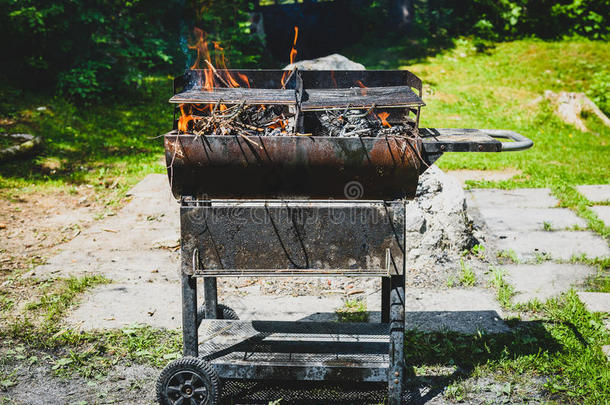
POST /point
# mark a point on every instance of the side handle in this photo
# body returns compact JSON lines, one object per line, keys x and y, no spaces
{"x":519,"y":141}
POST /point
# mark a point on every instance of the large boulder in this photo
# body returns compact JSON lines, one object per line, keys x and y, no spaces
{"x":438,"y":228}
{"x":330,"y":62}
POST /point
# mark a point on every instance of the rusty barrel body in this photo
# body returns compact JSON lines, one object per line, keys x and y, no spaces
{"x":227,"y":167}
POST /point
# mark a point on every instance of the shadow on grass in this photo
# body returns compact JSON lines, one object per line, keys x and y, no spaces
{"x":464,"y":352}
{"x":391,"y":51}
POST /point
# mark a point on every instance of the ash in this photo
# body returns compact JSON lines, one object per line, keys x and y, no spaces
{"x":358,"y":122}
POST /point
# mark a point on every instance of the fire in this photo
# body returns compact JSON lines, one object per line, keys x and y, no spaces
{"x":201,"y":47}
{"x":244,"y":79}
{"x":210,"y":76}
{"x":183,"y":121}
{"x":383,"y":116}
{"x":293,"y":54}
{"x":220,"y":62}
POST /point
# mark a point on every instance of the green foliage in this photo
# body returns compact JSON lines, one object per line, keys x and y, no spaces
{"x":503,"y":19}
{"x":437,"y":21}
{"x":88,"y":48}
{"x":93,"y":49}
{"x":227,"y":22}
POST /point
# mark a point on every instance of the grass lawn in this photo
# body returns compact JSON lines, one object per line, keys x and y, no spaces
{"x":498,"y":89}
{"x":110,"y":147}
{"x":501,"y":89}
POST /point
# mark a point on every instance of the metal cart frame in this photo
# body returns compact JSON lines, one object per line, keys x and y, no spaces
{"x":385,"y":224}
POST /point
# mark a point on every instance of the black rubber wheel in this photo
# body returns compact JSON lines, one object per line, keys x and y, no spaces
{"x":223,"y":312}
{"x":188,"y":381}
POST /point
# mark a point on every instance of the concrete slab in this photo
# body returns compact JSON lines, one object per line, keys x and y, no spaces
{"x":529,"y":219}
{"x":459,"y":310}
{"x":518,"y":198}
{"x":595,"y":192}
{"x":603,"y":212}
{"x":129,"y":245}
{"x":545,"y":280}
{"x":159,"y":304}
{"x":595,"y":301}
{"x":557,"y":244}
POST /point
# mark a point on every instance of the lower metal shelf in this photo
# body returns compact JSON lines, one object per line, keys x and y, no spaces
{"x":303,"y":351}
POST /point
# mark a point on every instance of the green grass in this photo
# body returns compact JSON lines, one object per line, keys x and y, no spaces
{"x":353,"y":310}
{"x":504,"y":291}
{"x":499,"y":89}
{"x":89,"y":353}
{"x":107,"y":145}
{"x":467,"y":276}
{"x":563,"y":347}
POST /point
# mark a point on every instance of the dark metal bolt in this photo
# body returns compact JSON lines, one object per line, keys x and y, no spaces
{"x":480,"y":147}
{"x":443,"y":147}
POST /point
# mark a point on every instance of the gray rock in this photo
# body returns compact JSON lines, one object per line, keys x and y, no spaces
{"x":330,"y":62}
{"x":595,"y":192}
{"x":438,"y":227}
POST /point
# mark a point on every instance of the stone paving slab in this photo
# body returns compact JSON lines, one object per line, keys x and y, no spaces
{"x":595,"y":301}
{"x":595,"y":192}
{"x":545,"y":280}
{"x":518,"y":198}
{"x":530,"y":219}
{"x":603,"y":212}
{"x":459,"y":310}
{"x":160,"y":305}
{"x":558,"y":244}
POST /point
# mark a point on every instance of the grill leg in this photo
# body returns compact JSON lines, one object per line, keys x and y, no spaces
{"x":397,"y":340}
{"x":210,"y":295}
{"x":189,"y":315}
{"x":385,"y":299}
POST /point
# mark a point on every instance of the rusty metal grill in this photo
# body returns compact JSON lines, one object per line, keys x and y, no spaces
{"x":320,"y":196}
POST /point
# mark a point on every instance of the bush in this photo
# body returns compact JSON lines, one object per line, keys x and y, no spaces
{"x":98,"y":48}
{"x":440,"y":20}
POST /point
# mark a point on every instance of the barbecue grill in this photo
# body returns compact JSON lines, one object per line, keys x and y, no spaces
{"x":318,"y":197}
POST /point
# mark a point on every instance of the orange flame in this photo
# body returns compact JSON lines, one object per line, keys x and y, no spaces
{"x":293,"y":54}
{"x":201,"y":46}
{"x":244,"y":79}
{"x":362,"y":86}
{"x":278,"y":123}
{"x":183,"y":121}
{"x":220,"y":62}
{"x":383,"y":117}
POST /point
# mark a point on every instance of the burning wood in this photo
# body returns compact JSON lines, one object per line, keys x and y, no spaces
{"x":219,"y":101}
